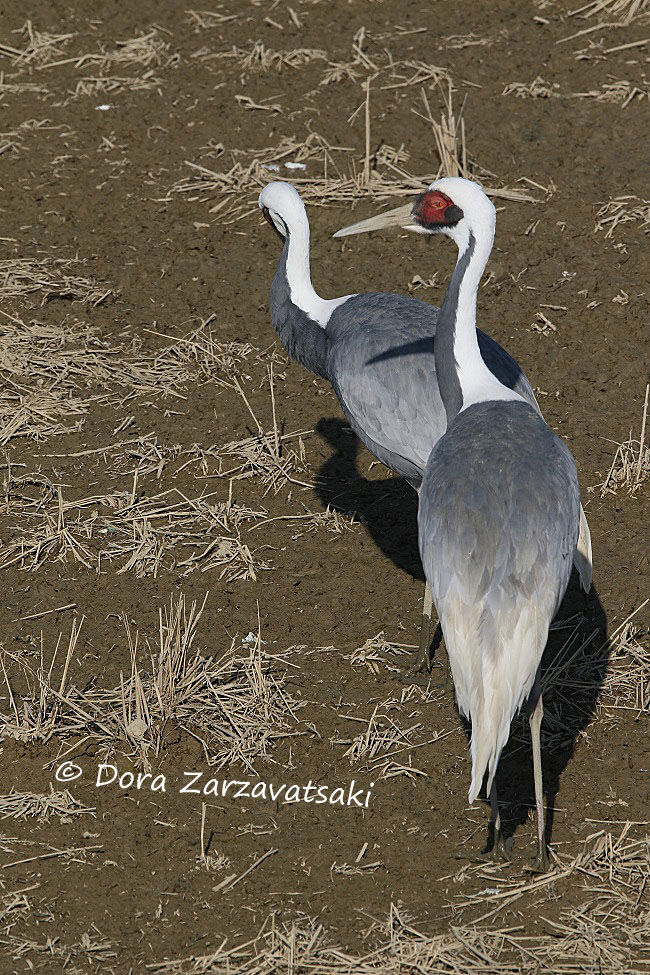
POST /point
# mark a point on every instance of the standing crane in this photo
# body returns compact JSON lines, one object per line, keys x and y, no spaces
{"x":377,"y":351}
{"x":498,"y":513}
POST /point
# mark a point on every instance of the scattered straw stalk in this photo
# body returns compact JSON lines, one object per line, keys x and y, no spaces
{"x":623,"y":210}
{"x":621,"y":11}
{"x":630,"y":467}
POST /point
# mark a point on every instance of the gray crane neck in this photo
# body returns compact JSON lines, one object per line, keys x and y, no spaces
{"x":446,"y":366}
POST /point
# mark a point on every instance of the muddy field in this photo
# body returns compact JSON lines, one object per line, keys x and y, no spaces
{"x":208,"y":579}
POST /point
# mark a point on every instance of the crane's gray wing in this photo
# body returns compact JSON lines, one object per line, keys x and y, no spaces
{"x":382,"y":366}
{"x":498,"y":523}
{"x":499,"y":507}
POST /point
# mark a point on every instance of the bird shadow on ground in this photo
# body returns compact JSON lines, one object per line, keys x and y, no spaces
{"x":388,"y":508}
{"x":574,"y":662}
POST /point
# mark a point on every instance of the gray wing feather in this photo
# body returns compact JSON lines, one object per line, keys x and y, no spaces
{"x":500,"y":500}
{"x":498,"y":521}
{"x":381,"y":364}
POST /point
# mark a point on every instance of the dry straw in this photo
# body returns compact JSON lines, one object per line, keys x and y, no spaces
{"x":263,"y":58}
{"x":379,"y":176}
{"x":234,"y":703}
{"x":620,"y":211}
{"x":630,"y":467}
{"x":622,"y":11}
{"x":607,"y":935}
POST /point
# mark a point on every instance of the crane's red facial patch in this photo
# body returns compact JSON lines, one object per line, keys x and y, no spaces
{"x":435,"y":209}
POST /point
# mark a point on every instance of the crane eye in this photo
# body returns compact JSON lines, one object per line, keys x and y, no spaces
{"x":437,"y":204}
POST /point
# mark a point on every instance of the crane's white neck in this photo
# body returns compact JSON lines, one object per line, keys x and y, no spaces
{"x":298,"y":271}
{"x":477,"y":383}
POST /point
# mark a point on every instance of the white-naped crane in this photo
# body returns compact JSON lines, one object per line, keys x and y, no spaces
{"x":377,"y":351}
{"x":498,"y":511}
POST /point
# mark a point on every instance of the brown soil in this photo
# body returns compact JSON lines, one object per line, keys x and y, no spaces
{"x":95,"y":184}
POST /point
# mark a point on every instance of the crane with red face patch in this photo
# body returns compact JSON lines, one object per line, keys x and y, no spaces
{"x":499,"y":512}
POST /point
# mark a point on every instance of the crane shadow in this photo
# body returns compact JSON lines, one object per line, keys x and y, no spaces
{"x":574,"y":662}
{"x":388,"y":508}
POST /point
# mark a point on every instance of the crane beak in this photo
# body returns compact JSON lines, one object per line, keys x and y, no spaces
{"x":400,"y":217}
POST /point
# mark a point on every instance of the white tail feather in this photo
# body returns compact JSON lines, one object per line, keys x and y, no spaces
{"x":582,"y":556}
{"x":492,"y":677}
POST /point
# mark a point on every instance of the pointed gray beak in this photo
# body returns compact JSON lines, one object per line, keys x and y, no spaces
{"x":400,"y":217}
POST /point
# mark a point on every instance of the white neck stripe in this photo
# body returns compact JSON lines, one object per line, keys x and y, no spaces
{"x":477,"y":383}
{"x":299,"y":279}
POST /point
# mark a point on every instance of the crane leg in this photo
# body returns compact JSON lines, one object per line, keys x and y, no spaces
{"x":423,"y":660}
{"x":535,"y":720}
{"x":499,"y":843}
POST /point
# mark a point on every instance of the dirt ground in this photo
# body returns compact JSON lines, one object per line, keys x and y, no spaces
{"x":205,"y":572}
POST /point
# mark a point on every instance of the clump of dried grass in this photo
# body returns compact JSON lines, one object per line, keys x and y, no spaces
{"x":390,"y":156}
{"x":411,"y":74}
{"x":627,"y":682}
{"x":449,"y":136}
{"x":417,"y":281}
{"x":15,"y":87}
{"x":207,"y":19}
{"x":12,"y":141}
{"x":51,"y":277}
{"x":630,"y":467}
{"x":268,"y":458}
{"x":154,"y":529}
{"x":48,"y":536}
{"x":535,"y":89}
{"x":543,"y":324}
{"x":249,"y":172}
{"x":93,"y":86}
{"x":330,"y":519}
{"x":26,"y":805}
{"x":263,"y":58}
{"x":42,"y":47}
{"x":93,"y":947}
{"x":148,"y":50}
{"x":217,"y":361}
{"x":53,"y":374}
{"x":360,"y":61}
{"x":266,"y":454}
{"x":145,"y":50}
{"x":620,"y":92}
{"x":14,"y":905}
{"x":457,"y":42}
{"x":352,"y":869}
{"x":375,"y":748}
{"x":376,"y":651}
{"x":235,"y":702}
{"x":394,"y":73}
{"x":622,"y":210}
{"x":620,"y":860}
{"x":622,"y":11}
{"x":146,"y":536}
{"x":584,"y":940}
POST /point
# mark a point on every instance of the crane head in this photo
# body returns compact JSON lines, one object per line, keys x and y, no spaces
{"x":283,"y":208}
{"x":441,"y":208}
